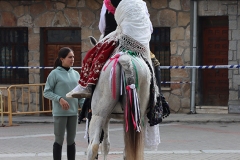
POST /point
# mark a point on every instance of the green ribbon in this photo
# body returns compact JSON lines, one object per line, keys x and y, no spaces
{"x":135,"y":68}
{"x":135,"y":56}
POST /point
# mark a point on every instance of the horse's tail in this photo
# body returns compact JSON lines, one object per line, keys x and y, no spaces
{"x":133,"y":140}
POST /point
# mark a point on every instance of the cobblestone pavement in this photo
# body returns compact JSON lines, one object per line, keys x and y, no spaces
{"x":179,"y":141}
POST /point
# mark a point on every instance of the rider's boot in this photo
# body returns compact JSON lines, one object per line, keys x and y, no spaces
{"x":80,"y":92}
{"x":158,"y":77}
{"x":166,"y":109}
{"x":156,"y":65}
{"x":85,"y":107}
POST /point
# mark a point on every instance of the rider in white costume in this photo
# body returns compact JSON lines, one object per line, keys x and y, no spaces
{"x":133,"y":33}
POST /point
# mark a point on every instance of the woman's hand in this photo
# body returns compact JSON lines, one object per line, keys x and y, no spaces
{"x":64,"y":104}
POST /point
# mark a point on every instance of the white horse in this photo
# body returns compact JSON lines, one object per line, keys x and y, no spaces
{"x":103,"y":105}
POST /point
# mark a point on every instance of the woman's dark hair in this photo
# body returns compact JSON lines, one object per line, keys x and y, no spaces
{"x":115,"y":3}
{"x":111,"y":23}
{"x":62,"y":53}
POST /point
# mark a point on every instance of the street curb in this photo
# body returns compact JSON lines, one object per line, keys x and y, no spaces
{"x":120,"y":122}
{"x":173,"y":118}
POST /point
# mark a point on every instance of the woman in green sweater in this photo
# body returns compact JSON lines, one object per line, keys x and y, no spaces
{"x":60,"y":81}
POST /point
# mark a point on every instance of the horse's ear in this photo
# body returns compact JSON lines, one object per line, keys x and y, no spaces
{"x":93,"y":40}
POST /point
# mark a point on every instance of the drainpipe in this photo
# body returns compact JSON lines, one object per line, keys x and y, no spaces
{"x":1,"y":108}
{"x":194,"y":50}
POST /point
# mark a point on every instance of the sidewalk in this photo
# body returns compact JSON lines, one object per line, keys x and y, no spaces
{"x":183,"y":137}
{"x":186,"y":118}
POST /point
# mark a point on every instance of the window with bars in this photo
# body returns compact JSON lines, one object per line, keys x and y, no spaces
{"x":13,"y":52}
{"x":160,"y":46}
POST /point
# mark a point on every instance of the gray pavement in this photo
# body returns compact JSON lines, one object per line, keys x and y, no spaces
{"x":189,"y":118}
{"x":183,"y":137}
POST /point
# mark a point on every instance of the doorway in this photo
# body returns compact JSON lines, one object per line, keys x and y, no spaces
{"x":214,"y":51}
{"x":52,"y":39}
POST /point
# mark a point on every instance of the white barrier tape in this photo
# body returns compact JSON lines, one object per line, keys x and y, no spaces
{"x":162,"y":67}
{"x":164,"y":82}
{"x":19,"y":67}
{"x":200,"y":67}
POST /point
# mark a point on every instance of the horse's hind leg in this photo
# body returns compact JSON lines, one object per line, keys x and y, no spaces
{"x":99,"y":122}
{"x":102,"y":104}
{"x":95,"y":130}
{"x":106,"y":142}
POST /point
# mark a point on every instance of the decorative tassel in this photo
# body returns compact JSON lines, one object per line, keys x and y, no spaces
{"x":121,"y":81}
{"x":136,"y":107}
{"x":110,"y":78}
{"x":129,"y":91}
{"x":126,"y":115}
{"x":124,"y":82}
{"x":132,"y":99}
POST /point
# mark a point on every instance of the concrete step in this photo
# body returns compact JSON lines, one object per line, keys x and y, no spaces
{"x":212,"y":109}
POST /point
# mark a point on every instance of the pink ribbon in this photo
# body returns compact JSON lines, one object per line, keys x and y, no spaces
{"x":115,"y":59}
{"x":129,"y":91}
{"x":109,"y":6}
{"x":111,"y":59}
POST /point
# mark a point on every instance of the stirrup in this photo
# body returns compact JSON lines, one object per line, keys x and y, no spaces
{"x":82,"y":95}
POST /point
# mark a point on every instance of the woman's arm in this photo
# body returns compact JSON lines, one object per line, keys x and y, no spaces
{"x":49,"y":88}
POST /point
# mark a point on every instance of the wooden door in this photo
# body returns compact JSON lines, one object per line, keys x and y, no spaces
{"x":215,"y":52}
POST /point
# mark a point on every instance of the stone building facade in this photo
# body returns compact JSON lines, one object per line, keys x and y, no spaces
{"x":175,"y":14}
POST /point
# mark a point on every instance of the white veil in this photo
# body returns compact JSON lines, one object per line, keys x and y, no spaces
{"x":133,"y":21}
{"x":134,"y":27}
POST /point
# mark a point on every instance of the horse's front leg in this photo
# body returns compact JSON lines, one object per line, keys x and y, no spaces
{"x":95,"y":130}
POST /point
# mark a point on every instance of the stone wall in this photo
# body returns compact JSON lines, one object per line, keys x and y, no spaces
{"x":49,"y":13}
{"x":85,"y":14}
{"x":232,"y":10}
{"x":176,"y":15}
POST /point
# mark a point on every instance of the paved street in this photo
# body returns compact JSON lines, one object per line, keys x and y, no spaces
{"x":179,"y":140}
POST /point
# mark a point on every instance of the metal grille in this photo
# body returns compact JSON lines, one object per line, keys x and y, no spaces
{"x":13,"y":52}
{"x":160,"y":46}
